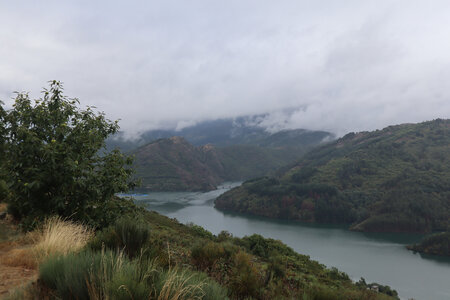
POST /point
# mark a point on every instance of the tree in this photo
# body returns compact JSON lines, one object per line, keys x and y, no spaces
{"x":3,"y":186}
{"x":56,"y":158}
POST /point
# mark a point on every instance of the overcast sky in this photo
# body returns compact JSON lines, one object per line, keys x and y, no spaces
{"x":333,"y":65}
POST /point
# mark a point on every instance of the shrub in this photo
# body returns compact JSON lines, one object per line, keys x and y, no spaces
{"x":277,"y":267}
{"x":205,"y":255}
{"x":131,"y":235}
{"x":68,"y":274}
{"x":126,"y":234}
{"x":211,"y":289}
{"x":224,"y":235}
{"x":245,"y":280}
{"x":200,"y":231}
{"x":98,"y":275}
{"x":129,"y":280}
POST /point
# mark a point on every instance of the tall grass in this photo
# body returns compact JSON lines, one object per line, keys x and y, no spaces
{"x":176,"y":284}
{"x":58,"y":236}
{"x":109,"y":275}
{"x":120,"y":278}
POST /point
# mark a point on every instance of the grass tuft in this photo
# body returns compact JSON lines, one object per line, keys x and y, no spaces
{"x":178,"y":284}
{"x":58,"y":236}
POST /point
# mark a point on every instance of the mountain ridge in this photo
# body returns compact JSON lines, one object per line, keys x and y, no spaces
{"x":395,"y":179}
{"x":174,"y":164}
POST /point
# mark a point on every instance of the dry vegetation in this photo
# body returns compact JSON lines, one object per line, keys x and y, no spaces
{"x":59,"y":236}
{"x":20,"y":254}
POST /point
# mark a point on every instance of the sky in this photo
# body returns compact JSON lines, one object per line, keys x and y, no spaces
{"x":330,"y":65}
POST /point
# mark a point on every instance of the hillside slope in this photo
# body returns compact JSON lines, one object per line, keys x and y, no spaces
{"x":175,"y":165}
{"x":436,"y":244}
{"x":395,"y":179}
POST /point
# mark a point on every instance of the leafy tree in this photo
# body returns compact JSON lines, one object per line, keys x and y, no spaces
{"x":3,"y":186}
{"x":56,"y":158}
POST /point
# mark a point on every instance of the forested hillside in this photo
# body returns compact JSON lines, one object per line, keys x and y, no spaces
{"x":395,"y":179}
{"x":175,"y":165}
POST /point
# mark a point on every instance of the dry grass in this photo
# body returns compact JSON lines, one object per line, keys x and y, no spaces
{"x":177,"y":287}
{"x":20,"y":257}
{"x":56,"y":237}
{"x":59,"y":236}
{"x":3,"y":207}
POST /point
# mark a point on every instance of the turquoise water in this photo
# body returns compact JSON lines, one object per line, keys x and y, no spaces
{"x":377,"y":257}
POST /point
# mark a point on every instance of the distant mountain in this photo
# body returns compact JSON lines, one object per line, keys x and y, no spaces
{"x":395,"y":179}
{"x":174,"y":164}
{"x":226,"y":132}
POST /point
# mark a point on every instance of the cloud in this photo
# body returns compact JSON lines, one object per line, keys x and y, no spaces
{"x":303,"y":64}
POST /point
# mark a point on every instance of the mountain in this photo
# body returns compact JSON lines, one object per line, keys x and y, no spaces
{"x":174,"y":164}
{"x":226,"y":132}
{"x":395,"y":179}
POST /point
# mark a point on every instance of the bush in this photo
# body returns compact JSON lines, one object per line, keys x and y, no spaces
{"x":126,"y":234}
{"x":68,"y":275}
{"x":245,"y":280}
{"x":200,"y":231}
{"x":277,"y":267}
{"x":224,"y":235}
{"x":98,"y":275}
{"x":55,"y":159}
{"x":205,"y":255}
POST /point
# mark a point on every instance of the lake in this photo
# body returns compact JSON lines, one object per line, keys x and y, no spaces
{"x":377,"y":257}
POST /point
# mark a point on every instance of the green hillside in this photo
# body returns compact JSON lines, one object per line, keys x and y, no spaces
{"x":395,"y":179}
{"x":175,"y":165}
{"x":436,"y":244}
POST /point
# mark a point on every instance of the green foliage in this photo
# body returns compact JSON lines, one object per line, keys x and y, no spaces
{"x":384,"y":289}
{"x":200,"y":231}
{"x":235,"y":269}
{"x":4,"y":191}
{"x":98,"y":275}
{"x":54,"y":157}
{"x":395,"y":179}
{"x":437,"y":244}
{"x":68,"y":274}
{"x":205,"y":255}
{"x":107,"y":275}
{"x":126,"y":234}
{"x":245,"y":280}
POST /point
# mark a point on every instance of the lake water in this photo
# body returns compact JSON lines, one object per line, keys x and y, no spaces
{"x":380,"y":258}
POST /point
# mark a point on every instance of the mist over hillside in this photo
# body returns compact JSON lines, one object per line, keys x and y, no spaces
{"x":246,"y":130}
